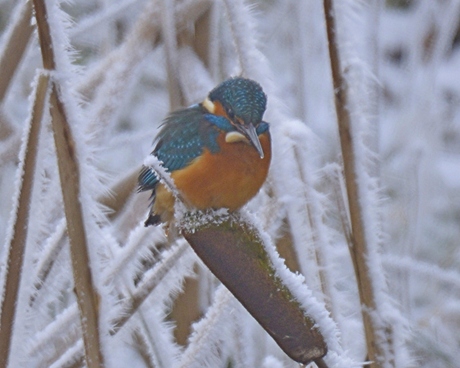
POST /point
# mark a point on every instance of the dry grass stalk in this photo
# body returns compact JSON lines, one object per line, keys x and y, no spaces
{"x":17,"y":241}
{"x":53,"y":247}
{"x":120,"y":192}
{"x":168,"y":28}
{"x":70,"y":185}
{"x":6,"y":131}
{"x":146,"y":31}
{"x":201,"y":37}
{"x":359,"y":248}
{"x":74,"y":358}
{"x":15,"y":46}
{"x":69,"y":173}
{"x":144,"y":290}
{"x":186,"y":309}
{"x":115,"y":200}
{"x":315,"y":228}
{"x":142,"y":346}
{"x":64,"y":322}
{"x":9,"y":148}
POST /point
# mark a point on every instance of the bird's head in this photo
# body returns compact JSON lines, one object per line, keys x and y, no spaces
{"x":242,"y":101}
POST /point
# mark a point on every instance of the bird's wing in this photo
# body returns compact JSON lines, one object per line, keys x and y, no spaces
{"x":182,"y":138}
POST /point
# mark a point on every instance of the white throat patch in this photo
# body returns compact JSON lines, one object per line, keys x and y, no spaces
{"x":209,"y":105}
{"x":233,"y":137}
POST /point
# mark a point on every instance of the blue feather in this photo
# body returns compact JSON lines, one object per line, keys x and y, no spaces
{"x":182,"y":138}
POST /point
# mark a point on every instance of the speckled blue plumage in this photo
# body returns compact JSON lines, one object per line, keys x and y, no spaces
{"x":242,"y":98}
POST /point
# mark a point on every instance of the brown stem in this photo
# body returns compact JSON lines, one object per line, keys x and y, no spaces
{"x":359,"y":249}
{"x":169,"y":36}
{"x":320,"y":363}
{"x":15,"y":47}
{"x":17,"y":242}
{"x":69,"y":173}
{"x":143,"y":348}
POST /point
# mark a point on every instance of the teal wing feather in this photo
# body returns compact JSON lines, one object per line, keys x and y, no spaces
{"x":182,"y":138}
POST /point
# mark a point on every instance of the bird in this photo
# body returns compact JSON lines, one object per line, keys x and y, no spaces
{"x":217,"y":152}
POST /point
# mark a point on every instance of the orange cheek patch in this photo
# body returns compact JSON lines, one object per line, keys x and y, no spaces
{"x":219,"y":109}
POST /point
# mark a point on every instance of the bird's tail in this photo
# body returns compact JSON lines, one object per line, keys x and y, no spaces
{"x":153,"y":219}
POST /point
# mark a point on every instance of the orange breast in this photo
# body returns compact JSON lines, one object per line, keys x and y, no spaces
{"x":228,"y":179}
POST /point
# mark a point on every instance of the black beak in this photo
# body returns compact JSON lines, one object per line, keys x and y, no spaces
{"x":250,"y":132}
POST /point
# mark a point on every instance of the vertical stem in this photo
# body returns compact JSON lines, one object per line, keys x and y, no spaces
{"x":69,"y":173}
{"x":202,"y":37}
{"x":17,"y":242}
{"x":359,"y":249}
{"x":168,"y":27}
{"x":15,"y":46}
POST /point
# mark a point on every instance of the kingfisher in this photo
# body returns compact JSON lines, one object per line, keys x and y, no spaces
{"x":217,"y":152}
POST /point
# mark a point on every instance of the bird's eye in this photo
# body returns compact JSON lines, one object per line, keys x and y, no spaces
{"x":230,"y":113}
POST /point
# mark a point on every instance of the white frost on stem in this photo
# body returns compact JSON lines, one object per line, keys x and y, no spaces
{"x":209,"y":334}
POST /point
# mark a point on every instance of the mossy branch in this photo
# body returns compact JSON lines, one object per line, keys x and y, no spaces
{"x":236,"y":255}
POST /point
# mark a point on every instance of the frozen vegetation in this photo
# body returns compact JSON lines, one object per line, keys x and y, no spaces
{"x":363,"y":229}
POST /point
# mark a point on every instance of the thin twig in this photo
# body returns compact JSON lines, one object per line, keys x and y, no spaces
{"x":205,"y":331}
{"x":119,"y":193}
{"x":359,"y":250}
{"x":52,"y":248}
{"x":145,"y":35}
{"x":73,"y":358}
{"x":131,"y":248}
{"x":143,"y":348}
{"x":144,"y":290}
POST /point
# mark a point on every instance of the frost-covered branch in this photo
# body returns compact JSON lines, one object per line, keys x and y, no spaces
{"x":203,"y":347}
{"x":69,"y":172}
{"x":13,"y":49}
{"x":359,"y":251}
{"x":15,"y":246}
{"x":169,"y":35}
{"x":152,"y":279}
